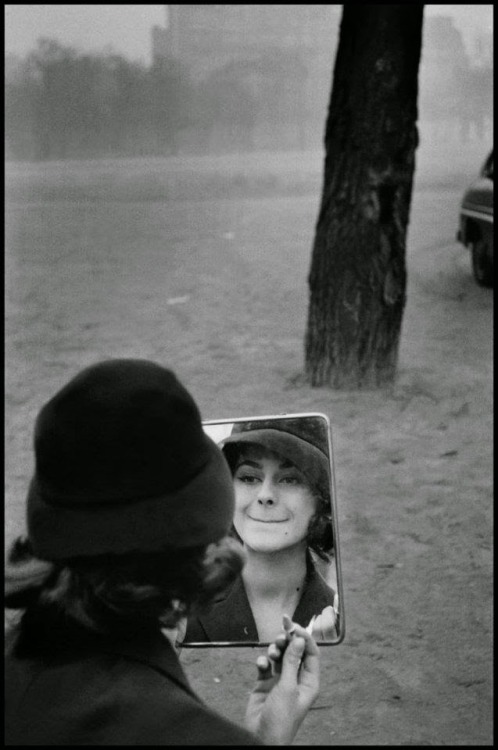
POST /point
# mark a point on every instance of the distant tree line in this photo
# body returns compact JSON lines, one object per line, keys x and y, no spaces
{"x":61,"y":103}
{"x":64,"y":104}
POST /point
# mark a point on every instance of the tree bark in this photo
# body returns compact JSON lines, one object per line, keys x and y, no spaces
{"x":357,"y":278}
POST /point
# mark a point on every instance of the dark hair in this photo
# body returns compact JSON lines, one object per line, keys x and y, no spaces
{"x":114,"y":592}
{"x":320,"y":536}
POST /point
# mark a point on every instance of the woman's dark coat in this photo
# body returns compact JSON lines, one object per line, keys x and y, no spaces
{"x":75,"y":688}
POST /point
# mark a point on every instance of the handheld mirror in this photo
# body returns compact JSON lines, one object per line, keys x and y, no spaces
{"x":286,"y":519}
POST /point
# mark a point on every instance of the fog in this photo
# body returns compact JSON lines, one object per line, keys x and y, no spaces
{"x":203,"y":79}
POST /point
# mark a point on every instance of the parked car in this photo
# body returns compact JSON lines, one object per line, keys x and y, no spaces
{"x":476,"y":224}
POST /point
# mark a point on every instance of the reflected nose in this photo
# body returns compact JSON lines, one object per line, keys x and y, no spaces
{"x":265,"y":500}
{"x":266,"y":495}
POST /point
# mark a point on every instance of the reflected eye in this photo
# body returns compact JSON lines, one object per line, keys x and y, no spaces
{"x":291,"y":479}
{"x":247,"y":478}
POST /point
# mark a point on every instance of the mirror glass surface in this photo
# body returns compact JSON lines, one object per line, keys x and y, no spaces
{"x":286,"y":519}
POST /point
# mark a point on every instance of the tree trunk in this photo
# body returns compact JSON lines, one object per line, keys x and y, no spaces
{"x":357,"y":278}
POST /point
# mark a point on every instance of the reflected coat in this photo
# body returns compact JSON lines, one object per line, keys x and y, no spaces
{"x":230,"y":618}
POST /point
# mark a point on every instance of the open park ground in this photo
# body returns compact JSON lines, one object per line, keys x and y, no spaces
{"x":200,"y":263}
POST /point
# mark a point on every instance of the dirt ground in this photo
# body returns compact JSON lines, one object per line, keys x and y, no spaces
{"x":201,"y":265}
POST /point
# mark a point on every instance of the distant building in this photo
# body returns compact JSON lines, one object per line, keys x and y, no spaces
{"x":160,"y":42}
{"x":261,"y":44}
{"x":210,"y":35}
{"x":207,"y":36}
{"x":13,"y":68}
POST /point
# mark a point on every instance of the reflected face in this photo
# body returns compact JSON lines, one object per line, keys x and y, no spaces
{"x":273,"y":501}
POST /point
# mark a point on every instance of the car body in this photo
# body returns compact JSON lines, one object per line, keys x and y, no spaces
{"x":475,"y":229}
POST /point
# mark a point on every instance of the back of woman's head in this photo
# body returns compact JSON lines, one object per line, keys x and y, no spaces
{"x":128,"y":506}
{"x":113,"y":593}
{"x":123,"y":465}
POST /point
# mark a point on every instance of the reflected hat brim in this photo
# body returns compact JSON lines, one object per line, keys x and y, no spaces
{"x":197,"y":514}
{"x":307,"y":457}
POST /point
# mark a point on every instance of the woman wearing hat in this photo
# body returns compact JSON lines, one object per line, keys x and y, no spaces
{"x":127,"y":516}
{"x":281,"y":478}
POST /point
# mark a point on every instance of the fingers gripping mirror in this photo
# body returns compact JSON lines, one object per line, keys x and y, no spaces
{"x":286,"y":520}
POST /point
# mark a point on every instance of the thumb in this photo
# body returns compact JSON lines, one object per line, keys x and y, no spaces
{"x":292,"y":661}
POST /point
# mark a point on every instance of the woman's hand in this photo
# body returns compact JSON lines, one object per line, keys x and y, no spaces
{"x":287,"y":685}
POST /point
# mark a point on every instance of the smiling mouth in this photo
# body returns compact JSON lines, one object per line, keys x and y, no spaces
{"x":264,"y":520}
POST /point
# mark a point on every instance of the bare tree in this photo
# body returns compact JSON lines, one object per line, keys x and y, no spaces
{"x":357,"y":278}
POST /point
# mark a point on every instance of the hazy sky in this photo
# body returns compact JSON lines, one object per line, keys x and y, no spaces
{"x":127,"y":27}
{"x":89,"y":27}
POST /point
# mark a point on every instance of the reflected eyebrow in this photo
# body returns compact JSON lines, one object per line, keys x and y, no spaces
{"x":248,"y":462}
{"x":285,"y":464}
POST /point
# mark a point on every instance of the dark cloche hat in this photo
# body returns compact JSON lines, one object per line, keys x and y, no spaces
{"x":123,"y":465}
{"x":301,"y":439}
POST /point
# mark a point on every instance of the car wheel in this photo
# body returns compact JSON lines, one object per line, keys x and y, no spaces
{"x":481,"y":264}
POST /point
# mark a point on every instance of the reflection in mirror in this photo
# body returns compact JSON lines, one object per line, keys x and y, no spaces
{"x":285,"y":518}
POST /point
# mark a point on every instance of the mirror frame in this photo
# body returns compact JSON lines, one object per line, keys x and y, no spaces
{"x":335,"y":531}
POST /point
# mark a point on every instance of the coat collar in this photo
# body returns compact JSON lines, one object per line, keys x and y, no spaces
{"x":151,"y":648}
{"x":66,"y":640}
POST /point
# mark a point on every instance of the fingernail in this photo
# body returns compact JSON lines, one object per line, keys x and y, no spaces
{"x":298,"y":644}
{"x":289,"y":626}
